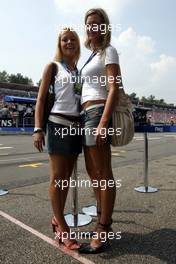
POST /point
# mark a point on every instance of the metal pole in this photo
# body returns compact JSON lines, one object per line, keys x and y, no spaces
{"x":145,"y":161}
{"x":146,"y":188}
{"x":76,"y":219}
{"x":75,"y":199}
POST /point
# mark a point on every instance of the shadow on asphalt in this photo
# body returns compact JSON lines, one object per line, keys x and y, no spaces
{"x":160,"y":244}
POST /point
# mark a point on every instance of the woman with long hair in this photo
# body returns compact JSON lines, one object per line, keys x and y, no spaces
{"x":97,"y":102}
{"x":63,"y":148}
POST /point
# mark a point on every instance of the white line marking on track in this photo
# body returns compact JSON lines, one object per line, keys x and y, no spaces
{"x":154,"y":138}
{"x":28,"y":159}
{"x":170,"y":136}
{"x":118,"y":151}
{"x":115,"y":154}
{"x":49,"y":240}
{"x":150,"y":138}
{"x":6,"y":147}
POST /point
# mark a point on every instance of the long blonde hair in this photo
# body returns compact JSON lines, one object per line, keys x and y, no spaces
{"x":106,"y":38}
{"x":59,"y":56}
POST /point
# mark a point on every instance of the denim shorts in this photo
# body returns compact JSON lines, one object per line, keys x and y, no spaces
{"x":90,"y":119}
{"x":61,"y":141}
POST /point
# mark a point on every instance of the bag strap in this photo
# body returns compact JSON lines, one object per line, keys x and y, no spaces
{"x":54,"y":71}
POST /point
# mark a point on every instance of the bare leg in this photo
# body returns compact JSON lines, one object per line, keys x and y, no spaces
{"x":98,"y":164}
{"x":60,"y":169}
{"x":92,"y":175}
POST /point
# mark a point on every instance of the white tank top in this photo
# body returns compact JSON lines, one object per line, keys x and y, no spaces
{"x":66,"y":101}
{"x":93,"y":75}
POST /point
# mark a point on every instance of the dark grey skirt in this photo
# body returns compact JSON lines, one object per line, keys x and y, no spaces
{"x":63,"y":140}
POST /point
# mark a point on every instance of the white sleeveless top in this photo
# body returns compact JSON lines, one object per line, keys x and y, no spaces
{"x":94,"y":75}
{"x":65,"y":99}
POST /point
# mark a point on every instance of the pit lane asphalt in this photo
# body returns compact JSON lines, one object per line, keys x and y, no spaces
{"x":147,"y":221}
{"x":18,"y":150}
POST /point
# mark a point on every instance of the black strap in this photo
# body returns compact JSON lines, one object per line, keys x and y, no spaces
{"x":66,"y":67}
{"x":49,"y":101}
{"x":89,"y":59}
{"x":53,"y":75}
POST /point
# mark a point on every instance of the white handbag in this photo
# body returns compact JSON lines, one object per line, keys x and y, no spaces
{"x":122,"y":120}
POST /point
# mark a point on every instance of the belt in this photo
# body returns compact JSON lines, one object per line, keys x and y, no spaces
{"x":70,"y":118}
{"x":92,"y":111}
{"x":91,"y":107}
{"x":63,"y":121}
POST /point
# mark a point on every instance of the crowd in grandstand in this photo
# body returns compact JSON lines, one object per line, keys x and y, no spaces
{"x":161,"y":116}
{"x":25,"y":112}
{"x":19,"y":113}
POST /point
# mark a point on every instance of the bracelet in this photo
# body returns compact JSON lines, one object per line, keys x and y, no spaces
{"x":38,"y":129}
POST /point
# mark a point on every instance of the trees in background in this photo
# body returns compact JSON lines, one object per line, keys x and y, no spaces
{"x":15,"y":78}
{"x":20,"y":79}
{"x":152,"y":100}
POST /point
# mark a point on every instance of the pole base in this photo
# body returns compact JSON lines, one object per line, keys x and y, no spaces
{"x":82,"y":220}
{"x":144,"y":189}
{"x":3,"y":192}
{"x":90,"y":210}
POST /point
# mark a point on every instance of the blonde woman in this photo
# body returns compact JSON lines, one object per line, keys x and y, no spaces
{"x":63,"y":148}
{"x":97,"y":107}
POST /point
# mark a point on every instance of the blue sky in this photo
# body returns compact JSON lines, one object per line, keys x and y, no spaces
{"x":146,"y":42}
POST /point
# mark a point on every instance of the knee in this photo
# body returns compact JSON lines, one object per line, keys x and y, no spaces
{"x":89,"y":170}
{"x":94,"y":173}
{"x":57,"y":179}
{"x":104,"y":174}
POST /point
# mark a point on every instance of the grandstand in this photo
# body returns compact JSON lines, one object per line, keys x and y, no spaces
{"x":162,"y":116}
{"x":17,"y":90}
{"x":18,"y":114}
{"x":158,"y":114}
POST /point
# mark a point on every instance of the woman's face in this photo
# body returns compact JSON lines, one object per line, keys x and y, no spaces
{"x":69,"y":44}
{"x":93,"y":28}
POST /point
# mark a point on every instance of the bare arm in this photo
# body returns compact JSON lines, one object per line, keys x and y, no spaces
{"x":112,"y":73}
{"x":39,"y":138}
{"x":114,"y":82}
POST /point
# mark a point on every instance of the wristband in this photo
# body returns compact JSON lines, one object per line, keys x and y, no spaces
{"x":37,"y":129}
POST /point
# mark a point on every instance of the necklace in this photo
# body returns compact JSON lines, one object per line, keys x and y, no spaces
{"x":77,"y":87}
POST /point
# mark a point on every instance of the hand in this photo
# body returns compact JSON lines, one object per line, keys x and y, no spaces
{"x":101,"y":137}
{"x":39,"y":140}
